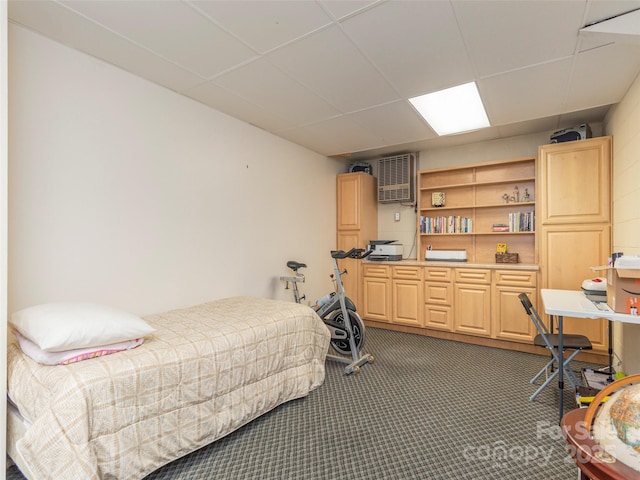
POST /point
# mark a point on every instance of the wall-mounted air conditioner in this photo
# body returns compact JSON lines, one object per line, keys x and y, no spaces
{"x":396,"y":178}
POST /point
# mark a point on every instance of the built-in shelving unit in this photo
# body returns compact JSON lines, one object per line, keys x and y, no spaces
{"x":488,"y":196}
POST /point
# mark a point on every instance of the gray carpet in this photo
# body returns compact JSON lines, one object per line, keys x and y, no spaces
{"x":426,"y":409}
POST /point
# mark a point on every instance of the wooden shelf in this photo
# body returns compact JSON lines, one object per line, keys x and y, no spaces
{"x":497,"y":182}
{"x":486,"y":194}
{"x":489,"y":205}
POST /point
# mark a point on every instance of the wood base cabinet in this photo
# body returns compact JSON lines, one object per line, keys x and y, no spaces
{"x":477,"y":305}
{"x":407,"y":295}
{"x":377,"y":293}
{"x":438,"y":298}
{"x":472,"y":297}
{"x":511,"y":321}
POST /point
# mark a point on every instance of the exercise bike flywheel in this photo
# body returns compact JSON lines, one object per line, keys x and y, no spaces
{"x":357,"y":327}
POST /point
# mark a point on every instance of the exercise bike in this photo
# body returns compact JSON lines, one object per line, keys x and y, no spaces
{"x":338,"y":312}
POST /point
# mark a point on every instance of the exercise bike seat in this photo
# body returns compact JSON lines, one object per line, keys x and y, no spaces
{"x":293,"y":265}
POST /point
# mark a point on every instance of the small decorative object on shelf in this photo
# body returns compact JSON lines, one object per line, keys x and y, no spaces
{"x":437,"y":199}
{"x":503,"y":257}
{"x":506,"y":258}
{"x":526,"y":197}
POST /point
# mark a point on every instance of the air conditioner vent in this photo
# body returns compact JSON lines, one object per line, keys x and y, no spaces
{"x":396,"y":178}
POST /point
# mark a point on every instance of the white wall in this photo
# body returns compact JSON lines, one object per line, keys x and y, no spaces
{"x":623,"y":123}
{"x":3,"y":228}
{"x":125,"y":193}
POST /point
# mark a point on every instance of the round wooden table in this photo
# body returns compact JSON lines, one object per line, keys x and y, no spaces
{"x":594,"y":463}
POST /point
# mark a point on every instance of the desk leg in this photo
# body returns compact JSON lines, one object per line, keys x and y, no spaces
{"x":560,"y":366}
{"x":610,"y":351}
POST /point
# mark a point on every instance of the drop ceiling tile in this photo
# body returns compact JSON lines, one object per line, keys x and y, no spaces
{"x":173,"y":30}
{"x":590,"y":115}
{"x":599,"y":10}
{"x":266,"y":25}
{"x":343,"y":8}
{"x":329,"y":64}
{"x":526,"y":94}
{"x":602,"y":76}
{"x":336,"y":136}
{"x":225,"y":101}
{"x":393,"y":123}
{"x":503,"y":36}
{"x":63,"y":25}
{"x":536,"y":125}
{"x":264,"y":85}
{"x":621,"y":29}
{"x":416,"y":45}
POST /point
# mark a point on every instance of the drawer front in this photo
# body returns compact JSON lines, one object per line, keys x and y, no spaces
{"x":378,"y":271}
{"x":437,"y":274}
{"x":438,"y":293}
{"x":439,"y":317}
{"x":516,"y":278}
{"x":407,"y":273}
{"x":473,"y":275}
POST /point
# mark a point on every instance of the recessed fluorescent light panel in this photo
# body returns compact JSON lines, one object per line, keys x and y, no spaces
{"x":453,"y":110}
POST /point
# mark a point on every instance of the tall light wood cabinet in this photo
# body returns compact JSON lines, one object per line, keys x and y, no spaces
{"x":574,"y":217}
{"x":357,"y":223}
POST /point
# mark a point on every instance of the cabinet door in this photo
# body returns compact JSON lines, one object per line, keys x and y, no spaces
{"x":575,"y":182}
{"x":472,"y":312}
{"x":353,"y":279}
{"x":512,"y":322}
{"x":349,"y":202}
{"x":377,"y":299}
{"x":407,"y":302}
{"x":567,"y":254}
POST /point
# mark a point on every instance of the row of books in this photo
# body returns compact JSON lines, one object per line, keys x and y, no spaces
{"x":521,"y":222}
{"x":450,"y":224}
{"x":518,"y":222}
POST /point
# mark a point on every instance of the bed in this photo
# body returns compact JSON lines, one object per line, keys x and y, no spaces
{"x":205,"y":372}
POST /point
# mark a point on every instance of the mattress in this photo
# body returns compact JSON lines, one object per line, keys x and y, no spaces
{"x":205,"y":372}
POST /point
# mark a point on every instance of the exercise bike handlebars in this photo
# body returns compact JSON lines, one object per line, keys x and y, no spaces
{"x":357,"y":253}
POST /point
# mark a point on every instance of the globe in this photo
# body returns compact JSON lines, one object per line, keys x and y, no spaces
{"x":616,"y":427}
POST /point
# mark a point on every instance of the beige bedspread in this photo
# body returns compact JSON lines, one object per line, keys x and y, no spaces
{"x":206,"y":371}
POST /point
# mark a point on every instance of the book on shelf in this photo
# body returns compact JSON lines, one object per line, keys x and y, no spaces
{"x":500,"y":227}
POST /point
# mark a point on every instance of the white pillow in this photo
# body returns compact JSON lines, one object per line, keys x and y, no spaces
{"x":55,"y":327}
{"x":67,"y":357}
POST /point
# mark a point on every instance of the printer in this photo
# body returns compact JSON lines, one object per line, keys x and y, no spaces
{"x":385,"y":250}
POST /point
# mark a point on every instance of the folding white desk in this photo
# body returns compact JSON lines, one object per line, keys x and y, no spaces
{"x":574,"y":303}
